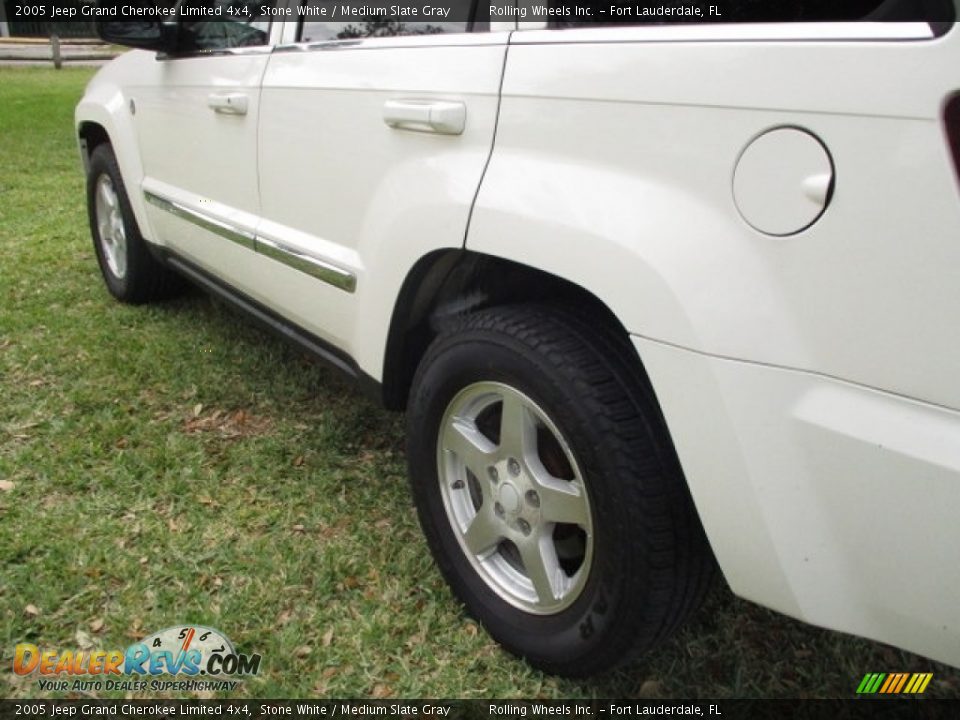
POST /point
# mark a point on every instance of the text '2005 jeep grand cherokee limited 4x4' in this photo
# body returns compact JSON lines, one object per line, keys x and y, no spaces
{"x":655,"y":298}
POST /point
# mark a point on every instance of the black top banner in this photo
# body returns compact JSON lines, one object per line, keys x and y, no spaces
{"x":487,"y":709}
{"x":892,"y":709}
{"x":557,"y":13}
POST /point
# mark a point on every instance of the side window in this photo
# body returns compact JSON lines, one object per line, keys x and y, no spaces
{"x":363,"y":24}
{"x":221,"y":24}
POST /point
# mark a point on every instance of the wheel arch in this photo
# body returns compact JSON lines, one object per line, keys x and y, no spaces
{"x":100,"y":118}
{"x":446,"y":283}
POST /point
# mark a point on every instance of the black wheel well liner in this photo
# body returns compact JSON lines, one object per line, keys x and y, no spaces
{"x":91,"y":135}
{"x":446,"y":283}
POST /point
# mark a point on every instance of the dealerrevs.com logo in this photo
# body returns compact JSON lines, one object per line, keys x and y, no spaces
{"x":197,"y":657}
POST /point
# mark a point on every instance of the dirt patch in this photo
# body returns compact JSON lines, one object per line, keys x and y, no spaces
{"x":227,"y":424}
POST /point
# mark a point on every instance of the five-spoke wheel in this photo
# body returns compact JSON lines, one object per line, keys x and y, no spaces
{"x":112,"y":233}
{"x":514,"y":494}
{"x":549,"y":491}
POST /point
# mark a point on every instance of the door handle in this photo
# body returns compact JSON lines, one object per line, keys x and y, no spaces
{"x":438,"y":116}
{"x":228,"y":103}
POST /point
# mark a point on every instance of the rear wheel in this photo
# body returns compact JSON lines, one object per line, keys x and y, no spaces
{"x":515,"y":497}
{"x":549,"y":491}
{"x":130,"y":271}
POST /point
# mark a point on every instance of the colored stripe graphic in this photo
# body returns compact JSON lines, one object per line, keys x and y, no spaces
{"x":870,"y":683}
{"x":901,"y":682}
{"x":891,"y":681}
{"x":894,"y":683}
{"x":915,"y":681}
{"x":862,"y":687}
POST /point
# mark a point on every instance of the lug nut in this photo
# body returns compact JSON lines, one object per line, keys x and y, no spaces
{"x":498,"y":509}
{"x":532,"y":498}
{"x":458,"y":484}
{"x":524,"y":526}
{"x":514,"y":467}
{"x":494,"y":475}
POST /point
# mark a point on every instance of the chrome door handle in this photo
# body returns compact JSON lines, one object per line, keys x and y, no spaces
{"x":438,"y":116}
{"x":228,"y":103}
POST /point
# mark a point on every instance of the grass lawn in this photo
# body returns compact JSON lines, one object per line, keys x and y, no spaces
{"x":173,"y":464}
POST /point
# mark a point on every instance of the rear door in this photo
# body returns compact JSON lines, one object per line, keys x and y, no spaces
{"x":373,"y":139}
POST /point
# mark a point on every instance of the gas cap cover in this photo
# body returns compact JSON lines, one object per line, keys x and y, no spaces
{"x":783,"y":181}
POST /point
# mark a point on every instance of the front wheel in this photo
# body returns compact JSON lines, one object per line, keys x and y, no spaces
{"x":549,"y":491}
{"x":129,"y":270}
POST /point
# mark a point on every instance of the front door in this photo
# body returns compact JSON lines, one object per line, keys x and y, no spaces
{"x":196,"y":113}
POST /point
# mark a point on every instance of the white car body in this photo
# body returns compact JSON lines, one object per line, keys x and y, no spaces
{"x":809,"y":377}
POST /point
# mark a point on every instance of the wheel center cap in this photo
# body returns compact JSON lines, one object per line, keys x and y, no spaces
{"x":509,"y":497}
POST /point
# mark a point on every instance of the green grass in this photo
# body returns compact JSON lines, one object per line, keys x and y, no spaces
{"x":173,"y":464}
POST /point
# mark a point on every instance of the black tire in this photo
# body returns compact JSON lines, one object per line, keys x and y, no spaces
{"x":651,"y":563}
{"x":132,"y":275}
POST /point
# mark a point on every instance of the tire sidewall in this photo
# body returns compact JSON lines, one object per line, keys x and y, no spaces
{"x":589,"y":622}
{"x":103,"y":162}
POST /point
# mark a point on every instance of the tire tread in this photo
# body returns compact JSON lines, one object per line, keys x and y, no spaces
{"x":611,"y":383}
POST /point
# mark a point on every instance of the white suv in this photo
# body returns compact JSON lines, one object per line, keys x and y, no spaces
{"x":654,"y":298}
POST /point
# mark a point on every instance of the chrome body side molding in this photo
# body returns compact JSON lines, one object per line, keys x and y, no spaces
{"x":274,"y":249}
{"x":299,"y":260}
{"x":230,"y":232}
